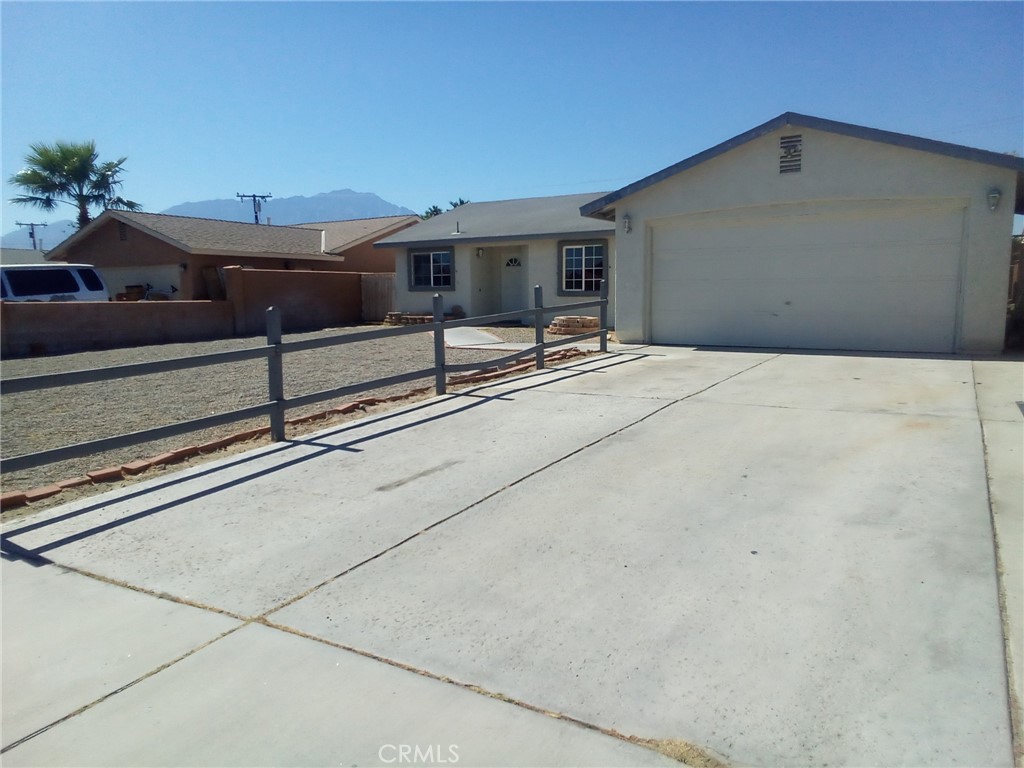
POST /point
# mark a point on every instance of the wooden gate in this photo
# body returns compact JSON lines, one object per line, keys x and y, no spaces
{"x":378,"y":296}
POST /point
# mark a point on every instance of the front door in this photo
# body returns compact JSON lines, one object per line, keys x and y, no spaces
{"x":513,"y":280}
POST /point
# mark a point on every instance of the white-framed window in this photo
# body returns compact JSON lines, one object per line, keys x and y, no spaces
{"x":581,"y":267}
{"x":431,"y":269}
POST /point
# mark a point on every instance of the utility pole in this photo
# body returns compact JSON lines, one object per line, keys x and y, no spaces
{"x":31,"y":230}
{"x":256,"y":206}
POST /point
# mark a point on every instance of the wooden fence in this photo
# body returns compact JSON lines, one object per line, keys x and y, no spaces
{"x":378,"y":296}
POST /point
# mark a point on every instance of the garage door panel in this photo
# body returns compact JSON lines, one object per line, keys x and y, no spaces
{"x":931,"y":261}
{"x":800,"y":327}
{"x":808,"y":281}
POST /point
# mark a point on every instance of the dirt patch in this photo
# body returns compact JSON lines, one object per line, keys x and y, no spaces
{"x":683,"y":751}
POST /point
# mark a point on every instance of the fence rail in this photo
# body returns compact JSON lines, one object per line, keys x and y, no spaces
{"x":274,"y":350}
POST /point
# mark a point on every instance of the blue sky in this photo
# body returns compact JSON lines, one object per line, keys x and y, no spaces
{"x":425,"y":102}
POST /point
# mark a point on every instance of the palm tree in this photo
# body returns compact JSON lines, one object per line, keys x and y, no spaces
{"x":432,"y":211}
{"x":70,"y":173}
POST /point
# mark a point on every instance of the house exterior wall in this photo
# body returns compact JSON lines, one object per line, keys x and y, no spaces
{"x":366,"y":258}
{"x":835,"y":169}
{"x":477,"y":289}
{"x":105,"y":248}
{"x":161,"y":276}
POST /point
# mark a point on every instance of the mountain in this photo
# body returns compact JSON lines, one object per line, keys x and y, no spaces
{"x":339,"y":205}
{"x":46,"y":237}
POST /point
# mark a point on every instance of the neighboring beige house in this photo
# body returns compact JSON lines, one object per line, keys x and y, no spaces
{"x":487,"y":257}
{"x":22,"y":256}
{"x":810,"y":233}
{"x":185,"y":252}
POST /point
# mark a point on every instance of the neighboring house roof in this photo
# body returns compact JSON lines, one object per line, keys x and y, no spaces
{"x":524,"y":219}
{"x":216,"y":237}
{"x":197,"y":235}
{"x":342,"y":235}
{"x":603,"y":207}
{"x":21,"y":256}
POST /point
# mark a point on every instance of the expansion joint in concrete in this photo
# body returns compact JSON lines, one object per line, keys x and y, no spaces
{"x":1015,"y":714}
{"x":683,"y":752}
{"x":125,"y":687}
{"x":504,"y":488}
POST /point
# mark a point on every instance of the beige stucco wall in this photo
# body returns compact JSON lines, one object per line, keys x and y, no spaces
{"x":477,"y":289}
{"x":835,"y":169}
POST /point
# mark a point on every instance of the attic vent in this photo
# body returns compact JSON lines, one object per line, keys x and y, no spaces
{"x":791,"y":149}
{"x":122,"y":231}
{"x":514,"y":262}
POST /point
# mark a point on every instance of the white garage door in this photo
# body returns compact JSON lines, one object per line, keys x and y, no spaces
{"x":855,"y":275}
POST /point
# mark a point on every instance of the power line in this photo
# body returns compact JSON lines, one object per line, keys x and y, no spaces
{"x":31,"y":230}
{"x":256,"y":205}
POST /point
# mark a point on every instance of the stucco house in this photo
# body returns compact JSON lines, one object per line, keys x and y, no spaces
{"x":486,"y":257}
{"x":811,"y":233}
{"x":21,"y":256}
{"x":184,"y":252}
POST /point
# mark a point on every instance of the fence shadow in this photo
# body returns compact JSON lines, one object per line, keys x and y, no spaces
{"x":323,"y":442}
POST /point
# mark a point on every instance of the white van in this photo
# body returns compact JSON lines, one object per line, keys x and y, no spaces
{"x":52,"y":282}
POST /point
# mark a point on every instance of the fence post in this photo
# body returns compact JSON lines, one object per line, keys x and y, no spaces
{"x":538,"y":323}
{"x":440,"y":385}
{"x":604,"y":315}
{"x":275,"y":374}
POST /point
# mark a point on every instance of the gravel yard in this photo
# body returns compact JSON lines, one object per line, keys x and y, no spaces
{"x":66,"y":415}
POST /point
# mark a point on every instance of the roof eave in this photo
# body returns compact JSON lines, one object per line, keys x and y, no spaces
{"x":267,"y":255}
{"x":958,"y":151}
{"x":598,"y":206}
{"x":465,"y":240}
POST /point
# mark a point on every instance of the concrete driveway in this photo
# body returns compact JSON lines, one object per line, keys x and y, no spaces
{"x":768,"y":558}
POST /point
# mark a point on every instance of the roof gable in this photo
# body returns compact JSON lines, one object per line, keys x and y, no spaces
{"x":342,"y":235}
{"x":599,"y":208}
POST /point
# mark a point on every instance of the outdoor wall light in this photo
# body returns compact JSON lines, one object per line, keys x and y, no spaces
{"x":479,"y":253}
{"x":994,"y":195}
{"x":627,"y":223}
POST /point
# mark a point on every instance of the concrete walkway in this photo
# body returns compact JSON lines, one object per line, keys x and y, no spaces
{"x":778,"y":558}
{"x":469,"y":338}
